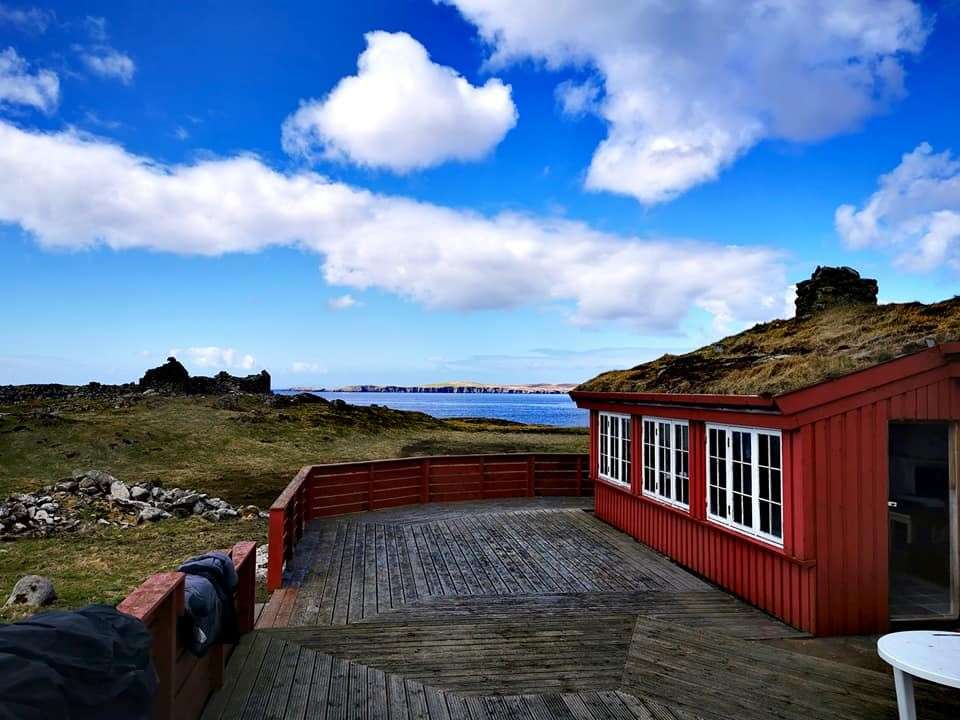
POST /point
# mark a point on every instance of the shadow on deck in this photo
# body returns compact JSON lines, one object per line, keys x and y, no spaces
{"x":525,"y":608}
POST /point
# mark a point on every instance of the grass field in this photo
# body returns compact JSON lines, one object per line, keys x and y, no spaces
{"x":242,"y":449}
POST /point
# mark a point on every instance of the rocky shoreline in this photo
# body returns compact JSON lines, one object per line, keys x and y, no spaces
{"x":465,"y":388}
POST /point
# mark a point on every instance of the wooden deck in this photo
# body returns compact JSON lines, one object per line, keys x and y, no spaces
{"x":523,"y":609}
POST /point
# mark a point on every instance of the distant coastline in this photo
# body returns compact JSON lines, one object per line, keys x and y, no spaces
{"x":453,"y":387}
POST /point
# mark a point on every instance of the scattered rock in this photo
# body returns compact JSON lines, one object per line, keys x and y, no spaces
{"x":96,"y":497}
{"x":152,"y":514}
{"x":33,"y":591}
{"x":262,"y":557}
{"x":119,"y":490}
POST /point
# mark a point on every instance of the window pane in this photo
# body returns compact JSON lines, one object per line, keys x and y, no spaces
{"x":775,"y":485}
{"x":764,"y":516}
{"x":776,"y":529}
{"x":625,"y":476}
{"x":649,"y":456}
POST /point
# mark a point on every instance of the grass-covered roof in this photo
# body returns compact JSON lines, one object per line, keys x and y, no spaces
{"x":785,"y":355}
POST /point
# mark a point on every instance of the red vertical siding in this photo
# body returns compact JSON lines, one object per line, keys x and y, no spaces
{"x":762,"y":576}
{"x":849,"y":477}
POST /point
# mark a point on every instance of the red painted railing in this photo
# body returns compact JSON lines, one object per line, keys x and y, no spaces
{"x":322,"y":490}
{"x":186,"y":681}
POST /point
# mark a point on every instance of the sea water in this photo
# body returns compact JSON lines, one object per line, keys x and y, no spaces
{"x":540,"y":409}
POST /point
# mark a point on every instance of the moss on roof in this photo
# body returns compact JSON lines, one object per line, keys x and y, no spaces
{"x":785,"y":355}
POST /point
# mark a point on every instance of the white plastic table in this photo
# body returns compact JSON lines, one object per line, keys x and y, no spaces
{"x":926,"y":654}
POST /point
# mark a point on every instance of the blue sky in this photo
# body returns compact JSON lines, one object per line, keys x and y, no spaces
{"x":500,"y":192}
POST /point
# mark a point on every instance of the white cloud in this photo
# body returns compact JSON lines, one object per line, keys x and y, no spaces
{"x":109,"y":63}
{"x":578,"y":98}
{"x":215,"y":358}
{"x":18,"y":86}
{"x":344,"y":302}
{"x":915,"y":212}
{"x":307,"y":367}
{"x":691,"y":85}
{"x":27,"y":19}
{"x":401,"y":111}
{"x":73,"y":191}
{"x":100,"y":57}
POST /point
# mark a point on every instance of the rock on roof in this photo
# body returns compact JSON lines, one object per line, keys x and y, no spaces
{"x":838,"y":329}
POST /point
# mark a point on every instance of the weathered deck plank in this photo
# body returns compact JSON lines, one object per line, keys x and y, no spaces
{"x":523,"y":609}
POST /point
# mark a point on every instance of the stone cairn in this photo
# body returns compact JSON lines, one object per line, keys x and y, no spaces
{"x":94,"y":497}
{"x":832,"y":286}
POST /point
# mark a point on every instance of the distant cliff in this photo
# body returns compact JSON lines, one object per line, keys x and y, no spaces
{"x":454,"y":387}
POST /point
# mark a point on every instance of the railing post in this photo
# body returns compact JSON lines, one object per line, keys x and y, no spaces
{"x":297,"y":515}
{"x":164,"y":632}
{"x":275,"y":550}
{"x":483,"y":477}
{"x":425,"y":480}
{"x":530,"y":478}
{"x":579,"y":472}
{"x":246,"y":595}
{"x":370,"y":486}
{"x":308,"y":484}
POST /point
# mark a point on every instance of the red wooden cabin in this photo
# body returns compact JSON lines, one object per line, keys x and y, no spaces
{"x":824,"y":514}
{"x":832,"y":507}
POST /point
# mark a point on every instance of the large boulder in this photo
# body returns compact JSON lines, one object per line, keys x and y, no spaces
{"x":832,"y":286}
{"x":171,"y":376}
{"x":32,"y":591}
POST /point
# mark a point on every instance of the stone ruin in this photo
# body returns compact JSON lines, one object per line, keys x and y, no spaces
{"x":172,"y":377}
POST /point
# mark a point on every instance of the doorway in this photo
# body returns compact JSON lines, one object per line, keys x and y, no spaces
{"x":922,"y":522}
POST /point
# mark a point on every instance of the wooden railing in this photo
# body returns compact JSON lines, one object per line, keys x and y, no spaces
{"x":337,"y":489}
{"x":186,"y":681}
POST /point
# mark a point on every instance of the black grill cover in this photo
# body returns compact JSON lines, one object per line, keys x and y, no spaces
{"x":91,"y":663}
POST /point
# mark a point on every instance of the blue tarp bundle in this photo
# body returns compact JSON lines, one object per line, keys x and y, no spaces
{"x":91,"y":663}
{"x":210,"y":613}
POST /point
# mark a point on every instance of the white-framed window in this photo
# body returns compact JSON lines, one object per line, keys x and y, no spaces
{"x":615,"y":447}
{"x":745,"y":480}
{"x":666,"y":460}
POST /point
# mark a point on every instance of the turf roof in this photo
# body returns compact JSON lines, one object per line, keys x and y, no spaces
{"x":785,"y":355}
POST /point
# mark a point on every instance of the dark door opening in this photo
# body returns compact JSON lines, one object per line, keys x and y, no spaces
{"x":921,"y":523}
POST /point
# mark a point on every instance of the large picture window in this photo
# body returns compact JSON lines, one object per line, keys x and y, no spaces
{"x":615,"y":447}
{"x":745,"y":480}
{"x":666,"y":460}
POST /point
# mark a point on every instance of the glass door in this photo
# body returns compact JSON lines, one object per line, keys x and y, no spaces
{"x":922,"y":522}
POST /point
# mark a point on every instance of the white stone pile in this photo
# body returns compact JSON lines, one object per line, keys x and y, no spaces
{"x":96,"y":497}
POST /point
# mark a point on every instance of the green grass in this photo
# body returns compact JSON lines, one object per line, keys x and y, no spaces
{"x":239,"y":448}
{"x":107,"y":563}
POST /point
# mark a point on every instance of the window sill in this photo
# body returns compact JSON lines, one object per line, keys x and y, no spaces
{"x":713,"y":525}
{"x":768,"y":543}
{"x":614,"y":483}
{"x":666,"y":501}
